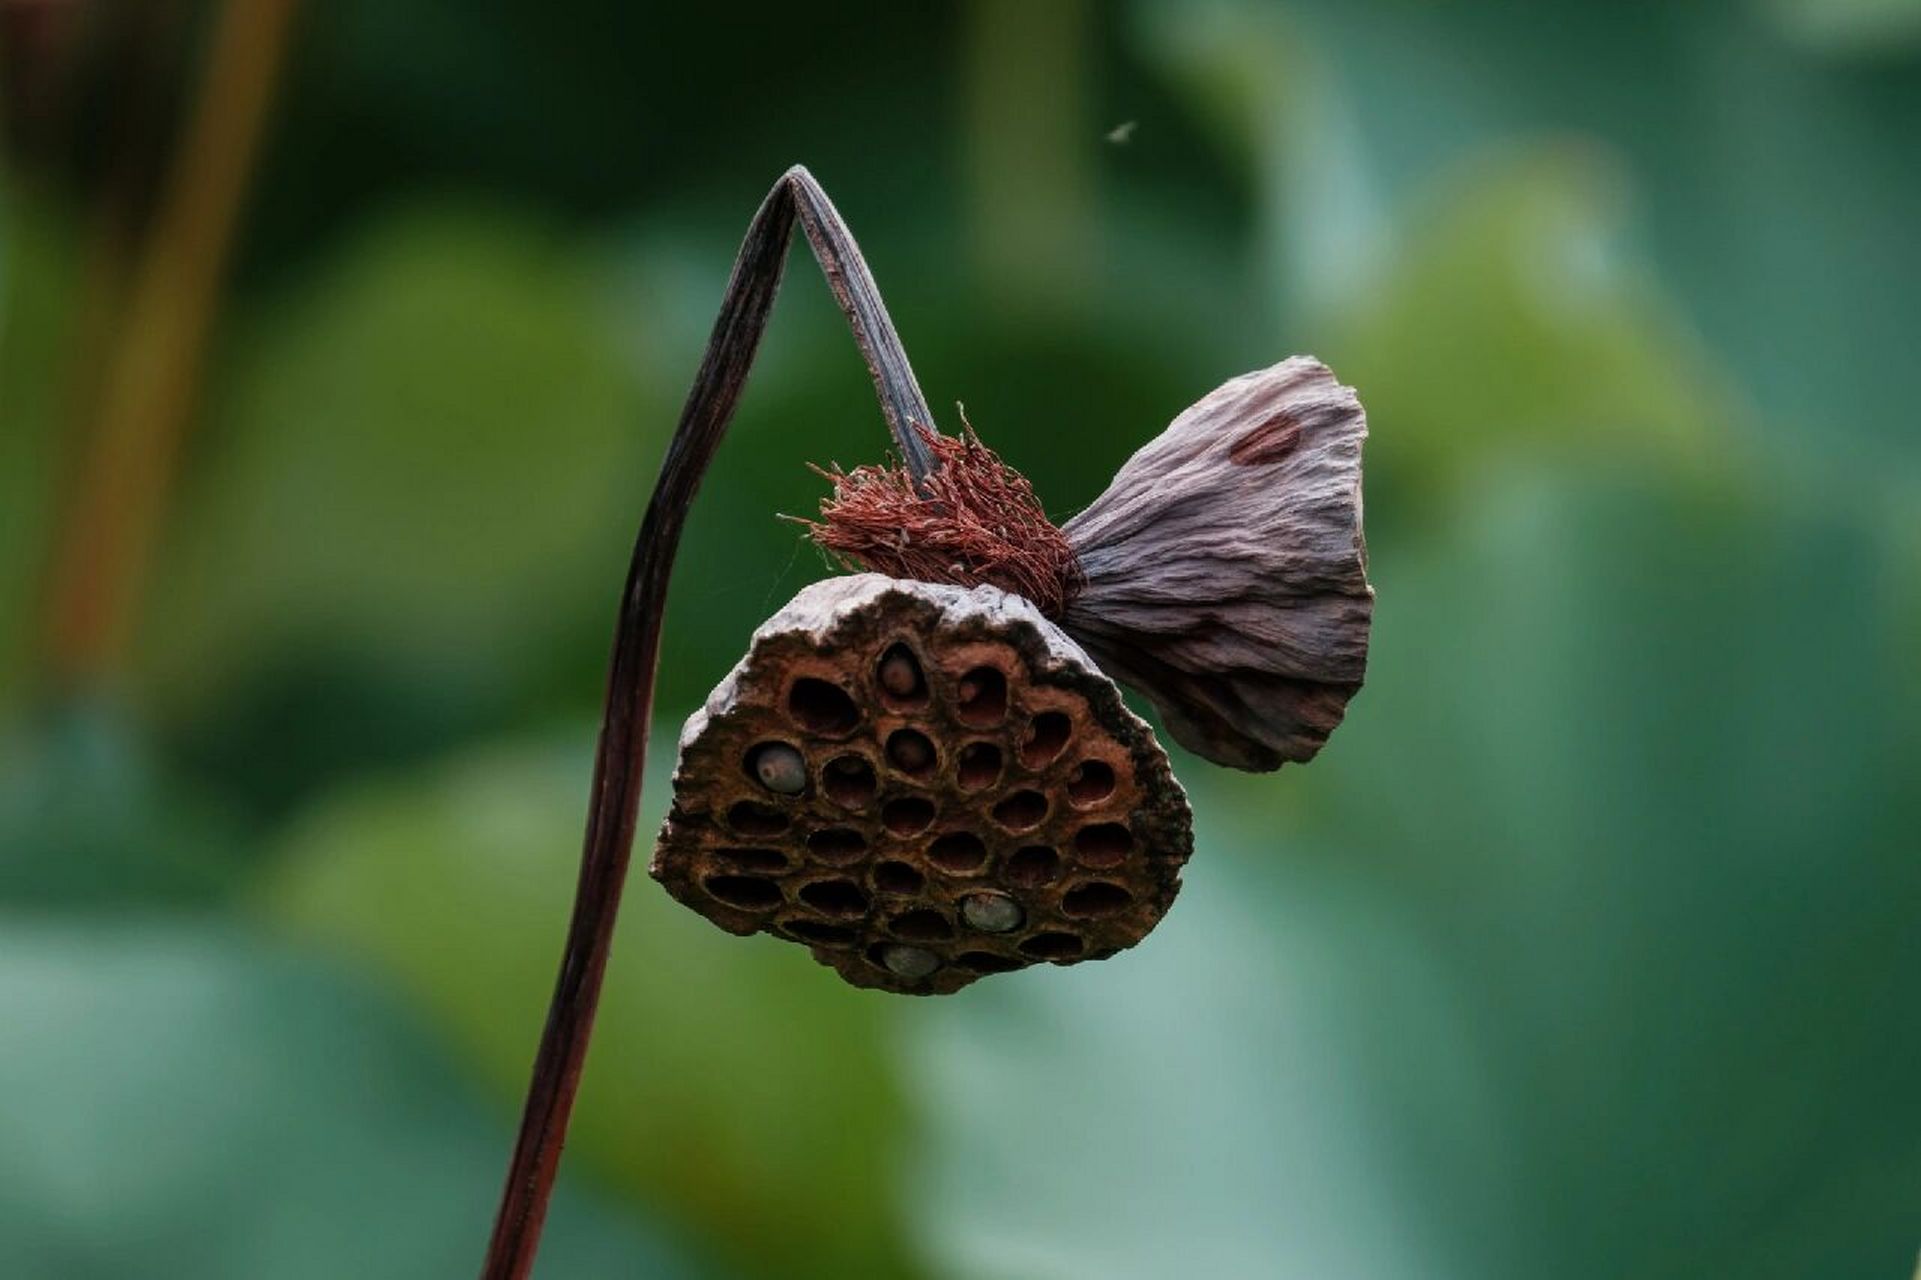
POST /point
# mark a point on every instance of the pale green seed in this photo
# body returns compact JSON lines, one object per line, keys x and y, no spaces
{"x":992,"y":912}
{"x":780,"y":768}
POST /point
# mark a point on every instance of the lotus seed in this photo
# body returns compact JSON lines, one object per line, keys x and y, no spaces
{"x":992,"y":912}
{"x":780,"y":768}
{"x":910,"y":962}
{"x":899,"y":675}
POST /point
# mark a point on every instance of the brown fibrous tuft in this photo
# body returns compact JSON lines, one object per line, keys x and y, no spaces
{"x":972,"y":520}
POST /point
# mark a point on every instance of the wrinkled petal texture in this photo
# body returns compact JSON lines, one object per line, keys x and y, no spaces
{"x":1226,"y":573}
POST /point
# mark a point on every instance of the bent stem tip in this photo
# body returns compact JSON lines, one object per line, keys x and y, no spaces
{"x":621,"y":753}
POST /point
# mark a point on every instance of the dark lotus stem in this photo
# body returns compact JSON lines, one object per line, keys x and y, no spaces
{"x":622,"y":750}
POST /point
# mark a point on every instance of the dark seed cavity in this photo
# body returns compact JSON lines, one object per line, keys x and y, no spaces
{"x":1021,"y":811}
{"x":1095,"y":898}
{"x":837,"y":844}
{"x":923,"y":925}
{"x":983,"y":697}
{"x":749,"y":893}
{"x":752,"y":819}
{"x":980,"y":766}
{"x":898,"y":877}
{"x":1104,"y":844}
{"x":1053,"y":946}
{"x":1033,"y":866}
{"x":759,"y":861}
{"x":1046,"y":738}
{"x":819,"y":706}
{"x":818,"y":933}
{"x":986,"y":962}
{"x":910,"y":751}
{"x":907,"y":815}
{"x":1092,"y":782}
{"x":959,"y":852}
{"x":835,"y":897}
{"x":850,"y":782}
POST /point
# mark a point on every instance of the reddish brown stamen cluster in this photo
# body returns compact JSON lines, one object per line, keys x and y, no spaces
{"x":973,"y":520}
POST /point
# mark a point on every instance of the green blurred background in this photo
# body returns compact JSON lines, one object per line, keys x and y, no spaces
{"x":341,"y":342}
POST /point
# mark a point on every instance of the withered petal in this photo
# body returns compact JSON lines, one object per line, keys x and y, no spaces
{"x":1226,"y":571}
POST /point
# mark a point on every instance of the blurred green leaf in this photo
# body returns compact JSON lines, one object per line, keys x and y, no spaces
{"x":1581,"y":951}
{"x":1509,"y":322}
{"x":89,"y":816}
{"x":1770,"y":190}
{"x":1277,"y":111}
{"x":733,"y":1080}
{"x":1497,"y":307}
{"x":434,"y":436}
{"x":191,"y":1103}
{"x":1208,"y":1104}
{"x":1873,"y":27}
{"x":1641,"y":767}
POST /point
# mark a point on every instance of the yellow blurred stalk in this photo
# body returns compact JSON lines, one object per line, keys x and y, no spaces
{"x":150,"y":377}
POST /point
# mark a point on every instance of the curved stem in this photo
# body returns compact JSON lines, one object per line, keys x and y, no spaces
{"x":622,"y":751}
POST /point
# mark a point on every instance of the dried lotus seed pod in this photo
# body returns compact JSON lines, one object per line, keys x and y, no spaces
{"x":977,"y":797}
{"x":919,"y":776}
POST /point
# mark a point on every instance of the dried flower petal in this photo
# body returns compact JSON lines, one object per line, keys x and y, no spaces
{"x":1225,"y":571}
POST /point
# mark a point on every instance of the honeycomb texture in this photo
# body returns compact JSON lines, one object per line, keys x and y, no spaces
{"x":923,"y":784}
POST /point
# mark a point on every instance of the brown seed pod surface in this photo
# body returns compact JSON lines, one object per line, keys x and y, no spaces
{"x":923,"y":784}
